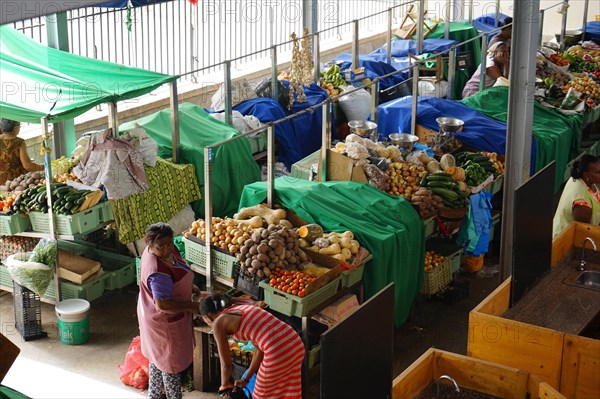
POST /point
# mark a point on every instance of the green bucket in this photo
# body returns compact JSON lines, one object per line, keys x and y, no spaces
{"x":73,"y":321}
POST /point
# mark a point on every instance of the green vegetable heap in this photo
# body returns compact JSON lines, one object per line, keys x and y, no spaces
{"x":66,"y":200}
{"x":475,"y":173}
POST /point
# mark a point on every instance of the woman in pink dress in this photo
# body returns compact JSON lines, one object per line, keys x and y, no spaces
{"x":277,"y":360}
{"x":165,"y":311}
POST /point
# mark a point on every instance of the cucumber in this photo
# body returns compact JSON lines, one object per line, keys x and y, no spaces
{"x":79,"y":201}
{"x":443,"y":177}
{"x":444,"y":193}
{"x":442,"y":184}
{"x":423,"y":181}
{"x":69,"y":205}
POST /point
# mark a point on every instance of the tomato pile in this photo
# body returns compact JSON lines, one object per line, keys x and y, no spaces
{"x":291,"y":281}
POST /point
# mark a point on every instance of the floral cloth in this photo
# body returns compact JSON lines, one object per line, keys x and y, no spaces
{"x":10,"y":161}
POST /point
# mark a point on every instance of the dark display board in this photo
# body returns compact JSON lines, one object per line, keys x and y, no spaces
{"x":357,"y":354}
{"x":532,"y":231}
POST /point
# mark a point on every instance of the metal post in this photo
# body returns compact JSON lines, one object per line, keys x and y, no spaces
{"x":375,"y":100}
{"x":175,"y":140}
{"x":420,"y":23}
{"x":447,"y":20}
{"x":325,"y":138}
{"x":355,"y":45}
{"x":482,"y":67}
{"x":415,"y":96}
{"x":270,"y":165}
{"x":274,"y":80}
{"x":389,"y":36}
{"x":585,"y":16}
{"x":316,"y":57}
{"x":208,"y":216}
{"x":497,"y":17}
{"x":113,"y":118}
{"x":542,"y":12}
{"x":470,"y":11}
{"x":520,"y":119}
{"x":227,"y":68}
{"x":563,"y":28}
{"x":48,"y":177}
{"x":451,"y":72}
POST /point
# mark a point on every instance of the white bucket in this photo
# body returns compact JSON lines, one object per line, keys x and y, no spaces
{"x":73,"y":321}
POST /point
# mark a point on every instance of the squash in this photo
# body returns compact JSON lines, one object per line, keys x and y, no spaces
{"x":433,"y":166}
{"x":347,"y":252}
{"x":348,"y":234}
{"x":310,"y":232}
{"x":254,"y":222}
{"x":346,"y":242}
{"x":322,"y":242}
{"x":302,"y":243}
{"x":331,"y":250}
{"x":342,"y":256}
{"x":271,"y":216}
{"x":447,"y":161}
{"x":286,"y":223}
{"x":458,"y":174}
{"x":355,"y":247}
{"x":425,"y":159}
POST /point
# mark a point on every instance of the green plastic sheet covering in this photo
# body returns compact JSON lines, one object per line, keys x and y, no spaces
{"x":388,"y":226}
{"x":172,"y":187}
{"x":557,"y":136}
{"x":9,"y":393}
{"x":232,"y":164}
{"x":460,"y":31}
{"x":39,"y":81}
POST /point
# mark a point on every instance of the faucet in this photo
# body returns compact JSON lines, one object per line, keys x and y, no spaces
{"x":446,"y":377}
{"x":582,"y":263}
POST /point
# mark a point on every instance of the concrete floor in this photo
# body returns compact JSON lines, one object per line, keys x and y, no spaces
{"x":46,"y":368}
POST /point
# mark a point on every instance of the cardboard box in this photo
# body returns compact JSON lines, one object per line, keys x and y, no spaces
{"x":354,"y":75}
{"x":75,"y":268}
{"x":341,"y":308}
{"x":341,"y":168}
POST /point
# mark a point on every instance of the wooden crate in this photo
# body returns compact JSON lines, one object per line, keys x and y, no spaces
{"x":470,"y":373}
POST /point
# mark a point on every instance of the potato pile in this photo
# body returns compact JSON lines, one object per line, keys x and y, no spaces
{"x":427,"y":203}
{"x":269,"y":248}
{"x":404,"y":178}
{"x":67,"y":177}
{"x":433,"y":260}
{"x":10,"y":245}
{"x":227,"y":234}
{"x":586,"y":85}
{"x":23,"y":182}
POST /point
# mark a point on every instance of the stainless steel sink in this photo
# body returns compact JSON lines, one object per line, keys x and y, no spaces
{"x":586,"y":279}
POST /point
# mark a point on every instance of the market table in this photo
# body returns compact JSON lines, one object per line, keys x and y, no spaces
{"x":557,"y":136}
{"x":388,"y":226}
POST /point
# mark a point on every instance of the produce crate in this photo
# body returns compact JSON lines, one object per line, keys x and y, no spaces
{"x":258,"y":143}
{"x":429,"y":225}
{"x":79,"y":223}
{"x":28,"y":313}
{"x":120,"y":278}
{"x":248,"y":283}
{"x":436,"y":279}
{"x":496,"y":185}
{"x":351,"y":277}
{"x":450,"y":250}
{"x":75,"y":247}
{"x":303,"y":168}
{"x":496,"y":218}
{"x":106,"y":212}
{"x":314,"y":356}
{"x":292,"y":305}
{"x":6,"y":280}
{"x":90,"y":290}
{"x":13,"y":224}
{"x":223,"y":263}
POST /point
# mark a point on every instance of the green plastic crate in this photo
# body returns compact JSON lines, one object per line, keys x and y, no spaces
{"x":79,"y":223}
{"x":351,"y":277}
{"x":75,"y":247}
{"x":496,"y":185}
{"x":303,"y":168}
{"x":89,"y":290}
{"x":106,"y":212}
{"x":120,"y":278}
{"x":450,"y":250}
{"x":13,"y":224}
{"x":111,"y":261}
{"x":258,"y":143}
{"x":222,"y":263}
{"x":292,"y":305}
{"x":5,"y":278}
{"x":314,"y":356}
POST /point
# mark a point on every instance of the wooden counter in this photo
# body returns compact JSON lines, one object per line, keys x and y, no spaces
{"x":566,"y":361}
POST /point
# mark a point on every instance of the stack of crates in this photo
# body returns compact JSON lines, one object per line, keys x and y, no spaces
{"x":28,"y":313}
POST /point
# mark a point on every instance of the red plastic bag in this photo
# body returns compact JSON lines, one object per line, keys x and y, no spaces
{"x":134,"y":371}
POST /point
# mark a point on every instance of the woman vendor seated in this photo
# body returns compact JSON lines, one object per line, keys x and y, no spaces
{"x":497,"y":63}
{"x":580,"y":199}
{"x":14,"y":160}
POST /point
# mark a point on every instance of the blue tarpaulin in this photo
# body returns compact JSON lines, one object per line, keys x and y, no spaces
{"x":592,"y":30}
{"x":486,"y":23}
{"x":134,"y":3}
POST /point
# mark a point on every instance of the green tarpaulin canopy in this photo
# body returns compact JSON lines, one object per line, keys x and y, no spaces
{"x":557,"y":136}
{"x":232,"y":164}
{"x":39,"y":81}
{"x":388,"y":226}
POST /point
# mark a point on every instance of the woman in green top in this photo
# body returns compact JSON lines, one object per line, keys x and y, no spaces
{"x":580,"y":200}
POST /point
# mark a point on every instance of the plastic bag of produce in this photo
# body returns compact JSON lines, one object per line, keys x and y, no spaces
{"x":134,"y":371}
{"x":45,"y":252}
{"x":356,"y":105}
{"x":35,"y":276}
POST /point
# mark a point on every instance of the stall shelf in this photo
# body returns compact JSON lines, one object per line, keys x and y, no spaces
{"x":545,"y":332}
